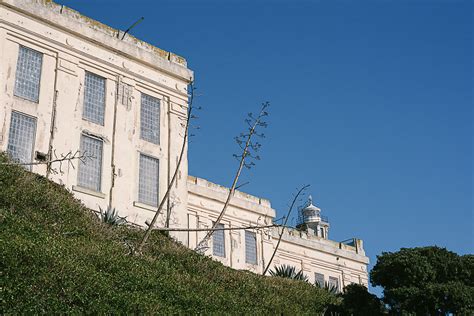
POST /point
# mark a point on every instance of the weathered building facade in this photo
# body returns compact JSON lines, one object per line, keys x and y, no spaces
{"x":71,"y":84}
{"x":321,"y":259}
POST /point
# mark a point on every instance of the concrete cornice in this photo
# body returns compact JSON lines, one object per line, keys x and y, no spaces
{"x":323,"y":245}
{"x":219,"y":193}
{"x":71,"y":21}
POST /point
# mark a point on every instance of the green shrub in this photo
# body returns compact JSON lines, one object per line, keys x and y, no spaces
{"x":58,"y":258}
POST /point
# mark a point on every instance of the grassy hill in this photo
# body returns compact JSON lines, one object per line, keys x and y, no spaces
{"x":57,"y":257}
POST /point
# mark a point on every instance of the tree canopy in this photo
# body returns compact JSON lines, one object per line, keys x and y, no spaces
{"x":426,"y":281}
{"x":357,"y":301}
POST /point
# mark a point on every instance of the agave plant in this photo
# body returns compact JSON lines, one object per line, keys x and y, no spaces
{"x":331,"y":288}
{"x":110,"y":216}
{"x":289,"y":272}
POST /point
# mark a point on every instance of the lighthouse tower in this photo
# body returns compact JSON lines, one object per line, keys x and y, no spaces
{"x":310,"y":220}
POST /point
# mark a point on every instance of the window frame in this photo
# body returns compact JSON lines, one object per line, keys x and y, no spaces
{"x":247,"y":250}
{"x":33,"y":138}
{"x":86,"y":117}
{"x":144,"y":133}
{"x":139,"y":199}
{"x":16,"y":87}
{"x":322,"y":278}
{"x":214,"y":244}
{"x":336,"y":281}
{"x":98,"y":187}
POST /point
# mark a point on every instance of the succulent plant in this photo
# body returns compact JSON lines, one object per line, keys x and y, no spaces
{"x":110,"y":216}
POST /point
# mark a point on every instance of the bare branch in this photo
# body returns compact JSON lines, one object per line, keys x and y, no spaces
{"x":284,"y":225}
{"x":257,"y":122}
{"x":167,"y":229}
{"x":59,"y":160}
{"x":173,"y":179}
{"x":239,"y":186}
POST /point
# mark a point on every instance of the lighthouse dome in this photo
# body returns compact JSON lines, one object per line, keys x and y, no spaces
{"x":310,"y":207}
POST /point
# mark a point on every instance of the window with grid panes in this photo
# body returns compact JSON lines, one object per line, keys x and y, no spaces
{"x":28,"y":74}
{"x":90,"y":170}
{"x":218,"y":242}
{"x":319,"y":279}
{"x":250,"y":247}
{"x":150,"y":119}
{"x":21,"y":137}
{"x":94,"y":98}
{"x":148,"y":180}
{"x":334,"y":283}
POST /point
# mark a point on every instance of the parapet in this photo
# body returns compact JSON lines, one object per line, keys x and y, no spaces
{"x":72,"y":21}
{"x":240,"y":199}
{"x":352,"y":250}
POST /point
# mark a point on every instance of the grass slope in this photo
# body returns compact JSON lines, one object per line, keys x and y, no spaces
{"x":57,"y":257}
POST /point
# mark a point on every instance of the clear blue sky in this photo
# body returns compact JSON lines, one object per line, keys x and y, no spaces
{"x":372,"y":104}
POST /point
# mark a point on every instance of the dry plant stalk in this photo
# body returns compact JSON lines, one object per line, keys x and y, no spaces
{"x":173,"y":179}
{"x":244,"y":140}
{"x":166,"y":229}
{"x":62,"y":158}
{"x":284,"y":226}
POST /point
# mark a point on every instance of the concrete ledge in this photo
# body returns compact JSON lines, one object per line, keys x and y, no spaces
{"x":88,"y":191}
{"x":145,"y":206}
{"x":323,"y":245}
{"x":218,"y":192}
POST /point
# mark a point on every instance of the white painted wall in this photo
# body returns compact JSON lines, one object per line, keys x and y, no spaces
{"x":72,"y":44}
{"x":304,"y":251}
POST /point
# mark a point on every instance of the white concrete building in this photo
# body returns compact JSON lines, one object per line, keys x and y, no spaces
{"x":321,"y":259}
{"x":71,"y":83}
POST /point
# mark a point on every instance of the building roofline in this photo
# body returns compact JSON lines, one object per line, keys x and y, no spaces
{"x":300,"y":238}
{"x":71,"y":21}
{"x":240,"y":199}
